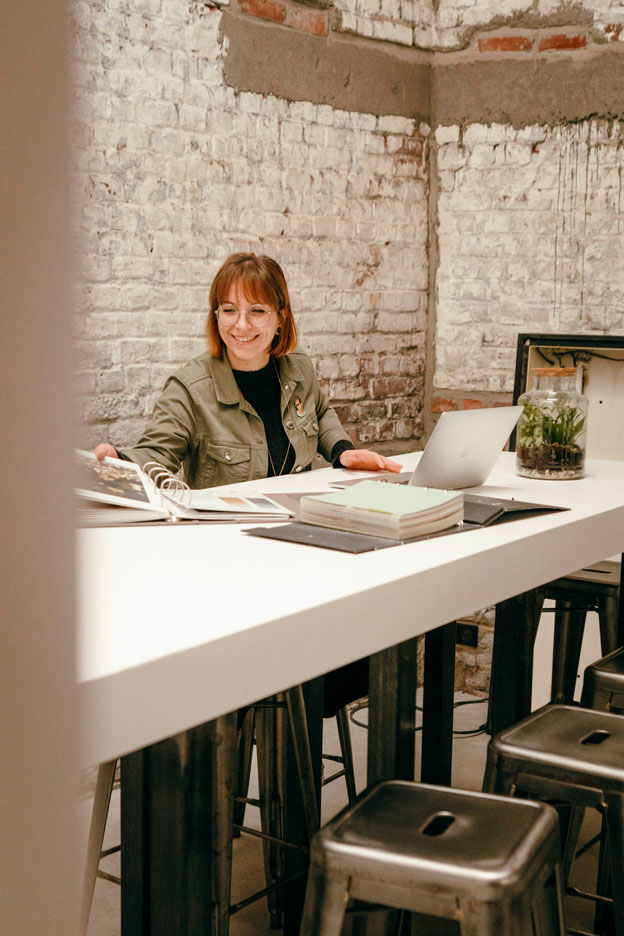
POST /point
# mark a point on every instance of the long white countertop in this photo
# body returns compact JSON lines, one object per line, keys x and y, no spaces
{"x":180,"y":623}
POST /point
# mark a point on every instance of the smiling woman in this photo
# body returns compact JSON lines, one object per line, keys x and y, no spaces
{"x":251,"y":406}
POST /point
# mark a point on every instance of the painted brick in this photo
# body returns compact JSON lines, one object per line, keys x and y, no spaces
{"x":562,"y":42}
{"x":443,"y":405}
{"x":265,"y":9}
{"x":470,"y":403}
{"x":613,"y":31}
{"x":505,"y":44}
{"x":310,"y":21}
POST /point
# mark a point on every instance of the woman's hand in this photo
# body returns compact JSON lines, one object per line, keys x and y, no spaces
{"x":367,"y":460}
{"x":104,"y":450}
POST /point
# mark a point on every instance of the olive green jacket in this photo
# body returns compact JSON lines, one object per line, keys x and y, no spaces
{"x":201,"y":420}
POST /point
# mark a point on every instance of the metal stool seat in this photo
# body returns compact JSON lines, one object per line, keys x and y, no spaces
{"x":603,"y":683}
{"x":441,"y":852}
{"x":576,"y":756}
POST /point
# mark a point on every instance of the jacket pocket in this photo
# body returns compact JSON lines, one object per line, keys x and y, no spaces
{"x":225,"y":463}
{"x":310,"y":430}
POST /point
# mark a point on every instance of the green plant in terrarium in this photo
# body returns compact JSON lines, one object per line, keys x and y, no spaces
{"x":562,"y":426}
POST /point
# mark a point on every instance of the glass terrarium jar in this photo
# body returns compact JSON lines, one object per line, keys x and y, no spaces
{"x":552,"y":430}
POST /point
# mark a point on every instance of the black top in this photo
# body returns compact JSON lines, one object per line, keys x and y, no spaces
{"x":262,"y":389}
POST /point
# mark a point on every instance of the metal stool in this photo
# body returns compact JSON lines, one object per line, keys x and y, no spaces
{"x":576,"y":756}
{"x":272,"y":719}
{"x":603,"y":684}
{"x":440,"y":852}
{"x":596,"y":588}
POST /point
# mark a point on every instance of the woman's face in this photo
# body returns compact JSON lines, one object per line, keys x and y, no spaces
{"x":248,"y":346}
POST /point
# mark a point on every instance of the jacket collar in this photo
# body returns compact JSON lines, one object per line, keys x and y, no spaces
{"x":227,"y":389}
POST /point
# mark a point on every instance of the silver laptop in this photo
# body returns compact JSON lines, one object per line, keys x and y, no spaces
{"x":463,"y":447}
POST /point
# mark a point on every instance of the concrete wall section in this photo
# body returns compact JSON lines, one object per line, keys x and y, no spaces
{"x":368,"y":77}
{"x":523,"y":91}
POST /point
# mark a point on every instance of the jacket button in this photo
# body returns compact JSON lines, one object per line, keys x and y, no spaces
{"x":298,"y":468}
{"x":290,"y":424}
{"x":228,"y":456}
{"x":285,"y":386}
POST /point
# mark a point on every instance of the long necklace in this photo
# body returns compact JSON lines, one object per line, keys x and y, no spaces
{"x":278,"y":474}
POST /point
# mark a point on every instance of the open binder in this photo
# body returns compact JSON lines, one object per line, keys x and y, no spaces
{"x":112,"y":491}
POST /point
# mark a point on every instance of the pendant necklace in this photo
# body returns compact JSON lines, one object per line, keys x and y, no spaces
{"x":278,"y":474}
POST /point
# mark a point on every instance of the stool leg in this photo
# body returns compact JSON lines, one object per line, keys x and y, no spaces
{"x":569,"y":627}
{"x":271,"y":753}
{"x":492,"y":919}
{"x":498,"y":777}
{"x":344,"y":734}
{"x":97,"y":828}
{"x":303,"y":755}
{"x":325,"y":904}
{"x":223,"y":817}
{"x":571,"y":831}
{"x":244,"y":759}
{"x":608,"y":608}
{"x":615,"y":828}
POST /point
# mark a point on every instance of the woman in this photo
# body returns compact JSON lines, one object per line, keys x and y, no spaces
{"x":249,"y":407}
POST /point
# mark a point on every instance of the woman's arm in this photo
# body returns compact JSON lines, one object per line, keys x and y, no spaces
{"x":168,"y":434}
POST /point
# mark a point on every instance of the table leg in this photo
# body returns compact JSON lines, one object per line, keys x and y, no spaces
{"x":391,"y":714}
{"x":167,"y":793}
{"x":438,"y":698}
{"x":515,"y":628}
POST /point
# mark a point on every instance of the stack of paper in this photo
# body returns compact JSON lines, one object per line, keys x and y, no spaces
{"x":394,"y":511}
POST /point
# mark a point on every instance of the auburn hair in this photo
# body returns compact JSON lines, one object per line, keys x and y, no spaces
{"x":260,"y":279}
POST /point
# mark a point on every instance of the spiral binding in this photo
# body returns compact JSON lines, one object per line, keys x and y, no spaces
{"x":170,"y":487}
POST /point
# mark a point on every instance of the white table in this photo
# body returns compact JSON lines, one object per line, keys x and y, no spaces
{"x":178,"y":624}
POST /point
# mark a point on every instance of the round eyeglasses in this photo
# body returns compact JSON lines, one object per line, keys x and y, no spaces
{"x":257,"y":315}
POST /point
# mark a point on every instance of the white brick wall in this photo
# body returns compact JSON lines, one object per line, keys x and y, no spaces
{"x":175,"y":171}
{"x":454,"y":18}
{"x":445,"y":25}
{"x":530,"y":238}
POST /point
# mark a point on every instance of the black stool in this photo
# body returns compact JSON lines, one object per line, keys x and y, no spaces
{"x":441,"y":852}
{"x":575,"y":756}
{"x":596,"y":588}
{"x":603,"y":684}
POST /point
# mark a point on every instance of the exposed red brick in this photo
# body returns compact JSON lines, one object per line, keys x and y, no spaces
{"x":613,"y":30}
{"x":442,"y":405}
{"x":506,"y":44}
{"x":472,"y":404}
{"x":561,"y":41}
{"x":389,"y":386}
{"x":265,"y":9}
{"x":310,"y":21}
{"x":412,"y":147}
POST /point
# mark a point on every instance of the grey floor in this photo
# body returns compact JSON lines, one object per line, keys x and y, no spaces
{"x":468,"y":765}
